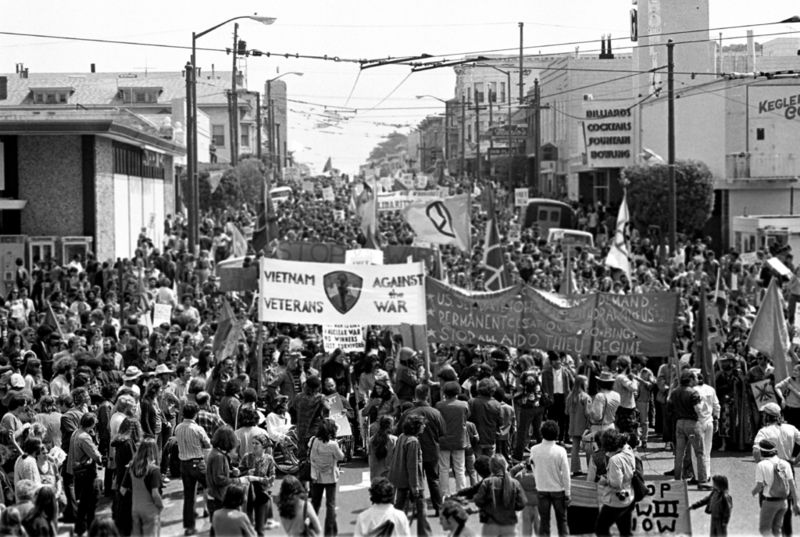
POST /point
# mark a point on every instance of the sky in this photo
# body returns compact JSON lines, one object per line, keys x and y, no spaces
{"x":347,"y":29}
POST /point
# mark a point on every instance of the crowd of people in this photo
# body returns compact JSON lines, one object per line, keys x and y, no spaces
{"x":91,"y":392}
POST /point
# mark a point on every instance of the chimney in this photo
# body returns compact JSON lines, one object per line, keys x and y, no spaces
{"x":212,"y":72}
{"x":603,"y":47}
{"x":91,"y":70}
{"x":609,"y":54}
{"x":751,"y":51}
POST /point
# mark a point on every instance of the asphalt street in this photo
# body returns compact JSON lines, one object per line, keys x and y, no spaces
{"x":353,"y":497}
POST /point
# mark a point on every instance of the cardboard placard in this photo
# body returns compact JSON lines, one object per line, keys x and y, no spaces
{"x":520,"y":197}
{"x":308,"y":186}
{"x":779,"y":267}
{"x":327,"y":194}
{"x":347,"y":337}
{"x":162,"y":313}
{"x":748,"y":259}
{"x":339,"y":415}
{"x":764,"y":393}
{"x":514,"y":233}
{"x":363,"y":256}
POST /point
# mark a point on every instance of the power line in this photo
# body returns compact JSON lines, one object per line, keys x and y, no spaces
{"x":391,"y":92}
{"x":358,"y":75}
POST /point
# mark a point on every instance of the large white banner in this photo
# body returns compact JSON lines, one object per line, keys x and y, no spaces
{"x":330,"y":293}
{"x":395,"y":201}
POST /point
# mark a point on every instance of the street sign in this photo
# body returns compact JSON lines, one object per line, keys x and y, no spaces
{"x":502,"y":151}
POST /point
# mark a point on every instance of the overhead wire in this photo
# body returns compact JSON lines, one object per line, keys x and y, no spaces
{"x":358,"y":75}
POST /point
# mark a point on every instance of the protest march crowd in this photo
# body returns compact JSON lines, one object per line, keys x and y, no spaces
{"x":118,"y":376}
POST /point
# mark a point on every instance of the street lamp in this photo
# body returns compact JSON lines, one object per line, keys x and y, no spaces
{"x":273,"y":147}
{"x":446,"y":126}
{"x":193,"y":206}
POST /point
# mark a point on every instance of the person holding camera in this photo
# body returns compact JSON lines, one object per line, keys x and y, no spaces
{"x":82,"y":462}
{"x":618,"y":504}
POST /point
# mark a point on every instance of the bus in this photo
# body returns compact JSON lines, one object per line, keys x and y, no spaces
{"x":280,"y":194}
{"x":546,"y":213}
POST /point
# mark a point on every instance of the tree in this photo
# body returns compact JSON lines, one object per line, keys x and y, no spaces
{"x":393,"y":143}
{"x":648,"y":194}
{"x":238,"y":185}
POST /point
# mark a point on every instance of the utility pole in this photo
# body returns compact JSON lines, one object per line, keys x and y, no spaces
{"x":521,"y":74}
{"x":673,"y":213}
{"x":477,"y":139}
{"x":463,"y":137}
{"x":234,"y":103}
{"x":491,"y":138}
{"x":510,"y":152}
{"x":537,"y":136}
{"x":190,"y":171}
{"x":258,"y":125}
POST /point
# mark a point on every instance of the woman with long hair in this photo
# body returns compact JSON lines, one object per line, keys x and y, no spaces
{"x":204,"y":365}
{"x":248,"y":431}
{"x":298,"y":516}
{"x":324,"y":454}
{"x":382,"y":402}
{"x":124,"y":445}
{"x":499,"y":498}
{"x":577,"y":402}
{"x":144,"y":480}
{"x":230,"y":520}
{"x":381,"y":448}
{"x":33,"y":370}
{"x":259,"y":462}
{"x":26,"y":466}
{"x":617,"y":502}
{"x":42,"y":519}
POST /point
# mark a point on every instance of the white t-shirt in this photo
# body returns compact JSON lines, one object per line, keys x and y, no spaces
{"x":765,"y":473}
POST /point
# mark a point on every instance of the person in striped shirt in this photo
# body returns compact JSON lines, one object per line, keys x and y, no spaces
{"x":192,"y":441}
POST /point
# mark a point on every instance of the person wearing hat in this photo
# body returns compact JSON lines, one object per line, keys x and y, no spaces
{"x":688,"y":405}
{"x":773,"y":495}
{"x":132,"y":374}
{"x":407,"y":378}
{"x":603,"y":410}
{"x":784,"y":436}
{"x":626,"y":385}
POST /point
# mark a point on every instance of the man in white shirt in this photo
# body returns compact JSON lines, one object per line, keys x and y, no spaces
{"x":551,"y":470}
{"x":278,"y":422}
{"x":707,"y":419}
{"x":773,"y":508}
{"x":382,"y":513}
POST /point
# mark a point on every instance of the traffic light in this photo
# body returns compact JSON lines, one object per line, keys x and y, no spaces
{"x":241,"y":48}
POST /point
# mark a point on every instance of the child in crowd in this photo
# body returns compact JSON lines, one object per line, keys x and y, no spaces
{"x":523,"y":473}
{"x":719,"y":505}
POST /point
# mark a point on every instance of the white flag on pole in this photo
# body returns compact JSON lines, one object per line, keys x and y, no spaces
{"x":619,"y":254}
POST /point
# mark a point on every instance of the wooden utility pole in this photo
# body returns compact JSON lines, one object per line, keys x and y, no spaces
{"x":189,"y":197}
{"x":521,"y":74}
{"x":463,"y":137}
{"x":537,"y":136}
{"x":234,"y":103}
{"x":673,"y":213}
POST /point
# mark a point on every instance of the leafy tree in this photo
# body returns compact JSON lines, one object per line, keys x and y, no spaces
{"x":648,"y":194}
{"x":392,"y":144}
{"x":238,"y":185}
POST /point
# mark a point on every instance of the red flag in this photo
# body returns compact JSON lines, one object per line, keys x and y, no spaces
{"x":266,"y":229}
{"x":496,"y":275}
{"x":328,"y":166}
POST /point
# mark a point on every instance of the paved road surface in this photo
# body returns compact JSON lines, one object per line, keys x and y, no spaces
{"x":353,"y":496}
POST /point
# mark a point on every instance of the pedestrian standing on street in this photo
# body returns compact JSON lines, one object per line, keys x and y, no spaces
{"x":719,"y":505}
{"x":259,"y":462}
{"x":325,"y":454}
{"x":382,"y":445}
{"x":82,"y":465}
{"x":453,"y":443}
{"x":230,"y":520}
{"x":578,"y":402}
{"x":499,"y":498}
{"x":486,"y":414}
{"x":626,"y":420}
{"x":647,"y":385}
{"x":774,"y":486}
{"x":785,"y":437}
{"x":617,"y":507}
{"x":790,"y":387}
{"x":144,"y":480}
{"x":382,"y":518}
{"x":528,"y":402}
{"x":298,"y":517}
{"x":603,"y":410}
{"x":429,"y":438}
{"x":551,"y":471}
{"x":556,"y":384}
{"x":688,"y":406}
{"x":707,"y":419}
{"x":192,"y":440}
{"x":406,"y":471}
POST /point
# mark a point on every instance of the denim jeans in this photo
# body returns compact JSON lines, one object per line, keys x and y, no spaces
{"x":330,"y":527}
{"x":608,"y":516}
{"x":457,"y":457}
{"x":86,"y":494}
{"x":431,"y":469}
{"x":192,"y":473}
{"x":559,"y":502}
{"x":423,"y":526}
{"x":528,"y":417}
{"x":770,"y":520}
{"x":689,"y":433}
{"x":707,"y":431}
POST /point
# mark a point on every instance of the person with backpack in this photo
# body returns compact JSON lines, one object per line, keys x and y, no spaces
{"x":617,"y":485}
{"x":774,"y":486}
{"x":785,"y":437}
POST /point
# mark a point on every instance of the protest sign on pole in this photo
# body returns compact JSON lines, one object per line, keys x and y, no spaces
{"x":514,"y":233}
{"x":748,"y":259}
{"x":327,"y":194}
{"x":520,"y":197}
{"x":322,"y":293}
{"x":162,"y":313}
{"x":338,"y":214}
{"x":339,"y":415}
{"x":347,"y":337}
{"x":308,"y":186}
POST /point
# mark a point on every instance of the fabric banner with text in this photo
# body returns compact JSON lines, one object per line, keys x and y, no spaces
{"x":329,"y":293}
{"x":520,"y":316}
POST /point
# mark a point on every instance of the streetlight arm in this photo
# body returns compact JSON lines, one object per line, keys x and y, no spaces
{"x":265,"y":20}
{"x":284,"y":74}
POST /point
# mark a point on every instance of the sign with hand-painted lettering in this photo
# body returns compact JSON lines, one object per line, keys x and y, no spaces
{"x":325,"y":293}
{"x":347,"y":337}
{"x":521,"y":197}
{"x":521,"y":316}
